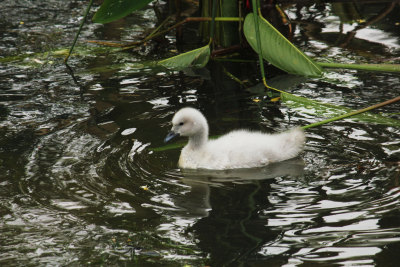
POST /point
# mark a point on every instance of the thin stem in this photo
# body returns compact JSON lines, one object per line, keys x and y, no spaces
{"x":158,"y":33}
{"x":368,"y":67}
{"x":213,"y":14}
{"x":356,"y":112}
{"x":79,"y":31}
{"x":233,"y":77}
{"x":159,"y":27}
{"x":257,"y":31}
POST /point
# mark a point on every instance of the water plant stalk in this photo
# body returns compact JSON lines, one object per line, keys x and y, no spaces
{"x":213,"y":15}
{"x":356,"y":112}
{"x":367,"y":67}
{"x":158,"y":33}
{"x":257,"y":31}
{"x":79,"y":31}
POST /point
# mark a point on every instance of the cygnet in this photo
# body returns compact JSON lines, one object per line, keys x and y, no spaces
{"x":236,"y":149}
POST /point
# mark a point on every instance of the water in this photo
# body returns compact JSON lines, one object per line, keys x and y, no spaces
{"x":81,"y":185}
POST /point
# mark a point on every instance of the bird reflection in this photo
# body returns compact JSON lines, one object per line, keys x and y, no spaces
{"x":228,"y":204}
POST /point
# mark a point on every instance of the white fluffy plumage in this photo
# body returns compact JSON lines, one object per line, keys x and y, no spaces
{"x":236,"y":149}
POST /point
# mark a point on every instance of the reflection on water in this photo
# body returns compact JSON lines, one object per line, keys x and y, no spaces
{"x":197,"y":200}
{"x":81,"y":185}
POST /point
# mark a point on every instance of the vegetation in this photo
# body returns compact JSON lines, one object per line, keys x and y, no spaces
{"x":265,"y":40}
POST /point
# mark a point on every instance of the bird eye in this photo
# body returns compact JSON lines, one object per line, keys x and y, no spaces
{"x":181,"y":123}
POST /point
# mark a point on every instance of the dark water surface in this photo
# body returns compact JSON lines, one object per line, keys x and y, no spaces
{"x":81,"y":185}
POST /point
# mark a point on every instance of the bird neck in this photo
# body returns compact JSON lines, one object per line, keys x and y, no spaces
{"x":199,"y":139}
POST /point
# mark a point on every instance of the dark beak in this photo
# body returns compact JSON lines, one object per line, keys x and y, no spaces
{"x":170,"y":136}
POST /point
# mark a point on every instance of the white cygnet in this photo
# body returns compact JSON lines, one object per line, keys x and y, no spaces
{"x":236,"y":149}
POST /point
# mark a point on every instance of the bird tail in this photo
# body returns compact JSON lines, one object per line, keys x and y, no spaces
{"x":294,"y":143}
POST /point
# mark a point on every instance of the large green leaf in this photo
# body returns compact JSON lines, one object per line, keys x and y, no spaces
{"x":279,"y":51}
{"x":324,"y":110}
{"x":112,"y":10}
{"x":194,"y":58}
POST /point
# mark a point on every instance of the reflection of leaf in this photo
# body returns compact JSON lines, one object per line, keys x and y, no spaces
{"x":277,"y":50}
{"x":169,"y":146}
{"x":319,"y":109}
{"x":281,"y":82}
{"x":367,"y":48}
{"x":285,"y":82}
{"x":195,"y":58}
{"x":347,"y":12}
{"x":175,"y":145}
{"x":112,"y":10}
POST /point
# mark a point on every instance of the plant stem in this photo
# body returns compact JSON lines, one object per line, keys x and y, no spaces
{"x":369,"y":67}
{"x":213,"y":14}
{"x":233,"y":77}
{"x":226,"y":19}
{"x":79,"y":31}
{"x":159,"y":26}
{"x":356,"y":112}
{"x":157,"y":33}
{"x":257,"y":31}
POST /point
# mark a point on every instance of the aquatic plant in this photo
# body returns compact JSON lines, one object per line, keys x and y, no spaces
{"x":263,"y":37}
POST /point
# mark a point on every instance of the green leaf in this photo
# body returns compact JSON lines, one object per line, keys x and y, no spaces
{"x":112,"y":10}
{"x":277,"y":50}
{"x":194,"y":58}
{"x":318,"y":109}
